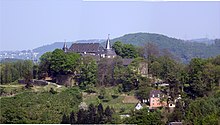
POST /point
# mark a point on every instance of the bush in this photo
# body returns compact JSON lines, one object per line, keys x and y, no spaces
{"x":114,"y":96}
{"x":52,"y":91}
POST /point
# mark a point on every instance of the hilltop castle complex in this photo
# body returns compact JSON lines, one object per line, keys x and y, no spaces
{"x":92,"y":49}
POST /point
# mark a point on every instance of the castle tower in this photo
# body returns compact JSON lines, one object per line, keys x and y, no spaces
{"x":65,"y":47}
{"x":108,"y":46}
{"x":109,"y":52}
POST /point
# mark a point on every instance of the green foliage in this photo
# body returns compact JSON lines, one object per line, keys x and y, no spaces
{"x":53,"y":91}
{"x":204,"y":111}
{"x":203,"y":76}
{"x":181,"y":49}
{"x":27,"y":72}
{"x":143,"y":92}
{"x":12,"y":71}
{"x":143,"y":117}
{"x":45,"y":64}
{"x":30,"y":107}
{"x":125,"y":50}
{"x":88,"y":75}
{"x":65,"y":119}
{"x":94,"y":115}
{"x":62,"y":63}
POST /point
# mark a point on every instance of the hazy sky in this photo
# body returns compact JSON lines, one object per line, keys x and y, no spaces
{"x":27,"y":24}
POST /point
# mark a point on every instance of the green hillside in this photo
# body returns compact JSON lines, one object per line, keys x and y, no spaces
{"x":39,"y":107}
{"x":182,"y":49}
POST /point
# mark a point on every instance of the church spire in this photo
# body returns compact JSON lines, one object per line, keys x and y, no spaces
{"x":65,"y":46}
{"x":108,"y":43}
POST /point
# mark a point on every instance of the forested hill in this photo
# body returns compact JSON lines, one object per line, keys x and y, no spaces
{"x":182,"y":49}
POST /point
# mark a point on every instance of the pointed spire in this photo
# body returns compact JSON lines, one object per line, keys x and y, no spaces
{"x":108,"y":43}
{"x":65,"y":46}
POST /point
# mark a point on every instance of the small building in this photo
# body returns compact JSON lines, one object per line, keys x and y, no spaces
{"x":138,"y":106}
{"x":156,"y":99}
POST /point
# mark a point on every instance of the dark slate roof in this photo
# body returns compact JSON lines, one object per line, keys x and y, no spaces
{"x":126,"y":62}
{"x":110,"y":52}
{"x":155,"y":93}
{"x":86,"y":47}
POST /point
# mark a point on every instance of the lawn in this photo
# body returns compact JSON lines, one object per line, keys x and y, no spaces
{"x":16,"y":88}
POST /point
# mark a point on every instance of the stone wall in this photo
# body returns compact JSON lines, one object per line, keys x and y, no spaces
{"x":67,"y":80}
{"x":35,"y":82}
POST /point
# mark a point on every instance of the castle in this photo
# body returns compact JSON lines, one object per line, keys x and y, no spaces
{"x":92,"y":49}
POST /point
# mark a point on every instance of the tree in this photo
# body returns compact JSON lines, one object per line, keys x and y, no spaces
{"x":72,"y":118}
{"x":45,"y":64}
{"x":196,"y":81}
{"x":143,"y":117}
{"x":178,"y":114}
{"x":149,"y":51}
{"x":108,"y":114}
{"x":81,"y":116}
{"x":105,"y":72}
{"x":118,"y":47}
{"x":125,"y":50}
{"x":64,"y":63}
{"x":100,"y":113}
{"x":92,"y":116}
{"x":88,"y":74}
{"x":204,"y":111}
{"x":27,"y":72}
{"x":143,"y":92}
{"x":65,"y":119}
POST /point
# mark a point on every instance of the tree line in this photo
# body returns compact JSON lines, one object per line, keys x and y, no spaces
{"x":12,"y":71}
{"x":92,"y":115}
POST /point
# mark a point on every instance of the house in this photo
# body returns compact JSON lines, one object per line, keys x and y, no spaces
{"x":156,"y":99}
{"x":138,"y":106}
{"x":92,"y":49}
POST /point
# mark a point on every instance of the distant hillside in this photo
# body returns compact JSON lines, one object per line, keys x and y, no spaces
{"x":203,"y":40}
{"x":182,"y":49}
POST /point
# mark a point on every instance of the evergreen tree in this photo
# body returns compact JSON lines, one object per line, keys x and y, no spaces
{"x":108,"y":114}
{"x":65,"y":119}
{"x":100,"y":113}
{"x":81,"y":116}
{"x":72,"y":118}
{"x":92,"y":114}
